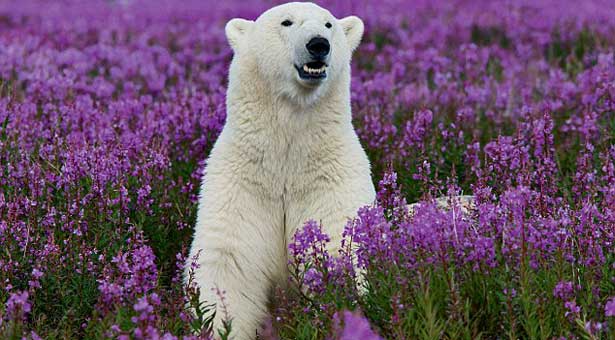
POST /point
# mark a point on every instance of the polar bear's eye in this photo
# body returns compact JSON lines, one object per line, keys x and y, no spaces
{"x":328,"y":25}
{"x":287,"y":23}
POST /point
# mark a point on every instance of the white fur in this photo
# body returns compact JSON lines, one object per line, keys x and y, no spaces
{"x":287,"y":153}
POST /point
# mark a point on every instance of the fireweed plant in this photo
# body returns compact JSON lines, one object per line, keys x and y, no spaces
{"x":108,"y":110}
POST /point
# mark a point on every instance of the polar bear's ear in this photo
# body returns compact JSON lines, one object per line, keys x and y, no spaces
{"x":235,"y":30}
{"x":353,"y":29}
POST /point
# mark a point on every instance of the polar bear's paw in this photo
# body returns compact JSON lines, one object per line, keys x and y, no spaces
{"x":465,"y":202}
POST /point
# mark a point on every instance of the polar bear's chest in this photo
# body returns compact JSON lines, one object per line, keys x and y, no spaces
{"x":293,"y":159}
{"x":290,"y":163}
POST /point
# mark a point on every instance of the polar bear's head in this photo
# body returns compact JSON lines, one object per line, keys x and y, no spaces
{"x":299,"y":49}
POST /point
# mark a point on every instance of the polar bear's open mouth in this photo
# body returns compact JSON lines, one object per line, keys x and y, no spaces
{"x":312,"y":70}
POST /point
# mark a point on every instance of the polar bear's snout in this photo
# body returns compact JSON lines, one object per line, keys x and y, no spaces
{"x":316,"y":56}
{"x":319,"y":48}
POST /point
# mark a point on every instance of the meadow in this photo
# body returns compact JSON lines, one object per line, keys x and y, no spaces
{"x":108,"y":110}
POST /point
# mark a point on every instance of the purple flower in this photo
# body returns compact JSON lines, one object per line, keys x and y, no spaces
{"x":17,"y":305}
{"x":143,"y":306}
{"x":416,"y":130}
{"x":564,"y":290}
{"x":355,"y":326}
{"x":310,"y":241}
{"x":609,"y":307}
{"x":572,"y":308}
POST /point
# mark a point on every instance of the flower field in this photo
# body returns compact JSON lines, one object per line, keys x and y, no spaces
{"x":108,"y":110}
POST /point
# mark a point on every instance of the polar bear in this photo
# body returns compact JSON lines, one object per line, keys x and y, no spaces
{"x":287,"y":153}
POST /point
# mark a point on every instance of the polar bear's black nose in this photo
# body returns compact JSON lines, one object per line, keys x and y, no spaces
{"x":318,"y":47}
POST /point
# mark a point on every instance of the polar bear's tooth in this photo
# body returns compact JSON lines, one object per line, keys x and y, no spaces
{"x":305,"y":68}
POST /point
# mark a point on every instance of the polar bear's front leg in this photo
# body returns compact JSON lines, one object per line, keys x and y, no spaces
{"x":332,"y":206}
{"x":242,"y":256}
